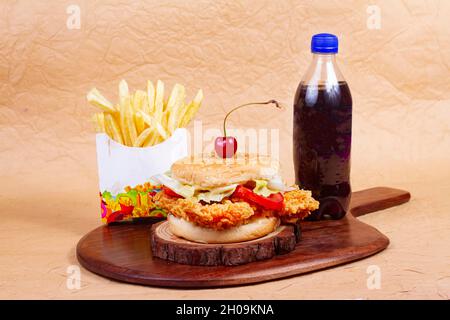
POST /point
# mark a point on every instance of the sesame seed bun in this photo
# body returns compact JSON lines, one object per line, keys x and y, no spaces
{"x":210,"y":171}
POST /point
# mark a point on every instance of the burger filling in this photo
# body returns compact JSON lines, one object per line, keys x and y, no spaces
{"x":233,"y":205}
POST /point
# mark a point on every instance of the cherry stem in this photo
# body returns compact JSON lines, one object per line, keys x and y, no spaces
{"x":276,"y":103}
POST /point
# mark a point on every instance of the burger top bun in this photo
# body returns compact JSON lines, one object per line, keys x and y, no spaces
{"x":210,"y":171}
{"x":255,"y":229}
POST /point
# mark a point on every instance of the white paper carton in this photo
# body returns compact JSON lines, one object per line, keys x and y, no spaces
{"x":123,"y":171}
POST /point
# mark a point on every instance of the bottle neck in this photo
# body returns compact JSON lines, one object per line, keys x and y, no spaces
{"x":323,"y":70}
{"x":324,"y":57}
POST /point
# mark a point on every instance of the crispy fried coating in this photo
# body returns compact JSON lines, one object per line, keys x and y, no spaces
{"x":217,"y":216}
{"x":299,"y":203}
{"x":227,"y":214}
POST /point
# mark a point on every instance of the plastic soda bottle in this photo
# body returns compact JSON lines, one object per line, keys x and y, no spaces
{"x":322,"y":131}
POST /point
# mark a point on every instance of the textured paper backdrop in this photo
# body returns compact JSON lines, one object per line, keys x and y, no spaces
{"x":236,"y":51}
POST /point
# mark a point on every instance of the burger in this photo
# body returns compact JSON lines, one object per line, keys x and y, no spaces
{"x":214,"y":200}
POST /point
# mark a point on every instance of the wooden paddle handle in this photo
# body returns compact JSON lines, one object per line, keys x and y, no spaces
{"x":375,"y":199}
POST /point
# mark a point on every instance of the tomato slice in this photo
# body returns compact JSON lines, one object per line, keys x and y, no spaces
{"x":171,"y":193}
{"x":273,"y":202}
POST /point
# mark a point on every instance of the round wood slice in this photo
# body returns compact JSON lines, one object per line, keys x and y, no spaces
{"x":167,"y":246}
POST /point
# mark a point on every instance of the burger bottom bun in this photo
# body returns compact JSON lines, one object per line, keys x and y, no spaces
{"x":255,"y":229}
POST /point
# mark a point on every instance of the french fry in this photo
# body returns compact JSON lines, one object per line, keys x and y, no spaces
{"x":174,"y":105}
{"x":159,"y":101}
{"x":144,"y":118}
{"x":150,"y":107}
{"x":116,"y":117}
{"x":147,"y":142}
{"x":95,"y":98}
{"x":123,"y":122}
{"x":182,"y":113}
{"x":139,"y":100}
{"x":153,"y":123}
{"x":192,"y":109}
{"x":153,"y":140}
{"x":165,"y":119}
{"x":139,"y":122}
{"x":123,"y":91}
{"x":129,"y":121}
{"x":143,"y":137}
{"x":99,"y":121}
{"x":112,"y":128}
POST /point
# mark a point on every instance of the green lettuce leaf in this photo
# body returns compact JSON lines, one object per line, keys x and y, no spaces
{"x":184,"y":190}
{"x":216,"y":194}
{"x":262,"y":189}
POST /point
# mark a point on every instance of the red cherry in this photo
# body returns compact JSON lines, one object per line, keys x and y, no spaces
{"x":225,"y":146}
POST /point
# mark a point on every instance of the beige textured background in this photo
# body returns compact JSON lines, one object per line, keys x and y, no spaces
{"x":236,"y":51}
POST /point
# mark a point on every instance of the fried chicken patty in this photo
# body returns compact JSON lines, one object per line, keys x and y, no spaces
{"x":234,"y":212}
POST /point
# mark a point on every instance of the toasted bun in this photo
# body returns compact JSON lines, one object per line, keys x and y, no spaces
{"x":257,"y":228}
{"x":210,"y":171}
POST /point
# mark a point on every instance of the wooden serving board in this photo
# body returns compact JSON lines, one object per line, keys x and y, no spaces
{"x":123,"y":252}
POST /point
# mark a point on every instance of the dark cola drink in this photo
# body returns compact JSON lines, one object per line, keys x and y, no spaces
{"x":322,"y":131}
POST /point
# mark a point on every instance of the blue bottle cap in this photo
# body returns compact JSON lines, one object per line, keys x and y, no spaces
{"x":324,"y":43}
